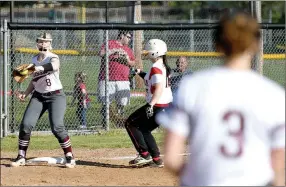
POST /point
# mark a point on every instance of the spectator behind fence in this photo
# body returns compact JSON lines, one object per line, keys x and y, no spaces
{"x":232,"y":117}
{"x":178,"y":73}
{"x":80,"y":93}
{"x":121,"y":58}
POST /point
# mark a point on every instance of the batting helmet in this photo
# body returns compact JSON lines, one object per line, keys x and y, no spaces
{"x":155,"y":48}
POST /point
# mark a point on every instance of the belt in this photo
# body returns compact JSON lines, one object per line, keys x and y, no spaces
{"x":49,"y":93}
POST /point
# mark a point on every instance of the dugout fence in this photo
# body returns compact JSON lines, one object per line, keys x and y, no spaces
{"x":191,"y":40}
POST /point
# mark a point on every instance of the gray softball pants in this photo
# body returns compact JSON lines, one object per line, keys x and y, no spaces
{"x":55,"y":103}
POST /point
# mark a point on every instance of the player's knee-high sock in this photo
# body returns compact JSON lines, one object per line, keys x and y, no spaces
{"x":151,"y":143}
{"x":23,"y":143}
{"x":66,"y":144}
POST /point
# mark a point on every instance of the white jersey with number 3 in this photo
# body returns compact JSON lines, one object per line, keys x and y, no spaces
{"x":48,"y":81}
{"x":233,"y":119}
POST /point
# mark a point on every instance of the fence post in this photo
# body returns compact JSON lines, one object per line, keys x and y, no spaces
{"x":192,"y":31}
{"x":106,"y":82}
{"x":5,"y":78}
{"x":259,"y":56}
{"x":1,"y":92}
{"x":106,"y":71}
{"x":138,"y":43}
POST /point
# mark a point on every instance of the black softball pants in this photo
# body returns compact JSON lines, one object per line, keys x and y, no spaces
{"x":139,"y":129}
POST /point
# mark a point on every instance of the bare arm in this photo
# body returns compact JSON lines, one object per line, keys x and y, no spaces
{"x":29,"y":89}
{"x":131,"y":63}
{"x":157,"y":94}
{"x":278,"y":165}
{"x":174,"y":145}
{"x":84,"y":94}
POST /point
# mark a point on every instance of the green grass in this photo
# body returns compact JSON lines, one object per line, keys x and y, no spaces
{"x":93,"y":115}
{"x":112,"y":139}
{"x":274,"y":69}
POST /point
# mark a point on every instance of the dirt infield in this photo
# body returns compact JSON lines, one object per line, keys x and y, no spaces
{"x":100,"y":167}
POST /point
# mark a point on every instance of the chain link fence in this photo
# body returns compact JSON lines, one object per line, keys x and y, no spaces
{"x":121,"y":12}
{"x":80,"y":54}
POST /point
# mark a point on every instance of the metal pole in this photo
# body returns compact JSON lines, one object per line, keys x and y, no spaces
{"x":11,"y":11}
{"x":1,"y":87}
{"x":259,"y":56}
{"x":192,"y":31}
{"x":251,"y":7}
{"x":12,"y":60}
{"x":106,"y":82}
{"x":83,"y":20}
{"x":106,"y":73}
{"x":133,"y":20}
{"x":5,"y":77}
{"x":106,"y":12}
{"x":138,"y":39}
{"x":269,"y":43}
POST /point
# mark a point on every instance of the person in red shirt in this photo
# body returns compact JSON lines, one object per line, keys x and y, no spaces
{"x":80,"y":93}
{"x":121,"y":58}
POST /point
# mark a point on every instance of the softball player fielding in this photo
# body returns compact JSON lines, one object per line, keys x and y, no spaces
{"x":48,"y":95}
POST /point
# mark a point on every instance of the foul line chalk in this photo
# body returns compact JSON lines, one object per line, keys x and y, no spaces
{"x":131,"y":157}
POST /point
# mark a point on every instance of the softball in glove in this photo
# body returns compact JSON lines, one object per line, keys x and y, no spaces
{"x":22,"y":72}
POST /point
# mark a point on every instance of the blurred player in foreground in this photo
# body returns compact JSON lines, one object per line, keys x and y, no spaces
{"x":142,"y":122}
{"x":232,"y":117}
{"x":48,"y":95}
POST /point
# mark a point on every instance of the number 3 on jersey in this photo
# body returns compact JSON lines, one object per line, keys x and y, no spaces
{"x":48,"y":81}
{"x":235,"y":134}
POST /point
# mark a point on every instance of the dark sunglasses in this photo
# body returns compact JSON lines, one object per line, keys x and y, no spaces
{"x":128,"y":37}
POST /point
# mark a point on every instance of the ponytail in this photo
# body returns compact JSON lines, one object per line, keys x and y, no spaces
{"x":168,"y":69}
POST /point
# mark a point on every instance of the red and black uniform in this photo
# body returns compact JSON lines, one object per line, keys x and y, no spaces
{"x":139,"y":125}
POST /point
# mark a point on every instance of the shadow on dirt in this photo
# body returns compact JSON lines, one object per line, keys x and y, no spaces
{"x":100,"y":164}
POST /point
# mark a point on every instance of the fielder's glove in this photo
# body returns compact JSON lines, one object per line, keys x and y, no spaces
{"x":149,"y":111}
{"x":22,"y":72}
{"x":122,"y":59}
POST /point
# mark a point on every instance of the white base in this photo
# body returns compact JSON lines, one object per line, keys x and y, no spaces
{"x":48,"y":160}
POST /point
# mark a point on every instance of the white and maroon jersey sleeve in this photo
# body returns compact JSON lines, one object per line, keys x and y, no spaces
{"x":157,"y":75}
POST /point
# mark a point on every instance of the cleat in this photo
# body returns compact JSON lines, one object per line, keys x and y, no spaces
{"x":70,"y":161}
{"x":139,"y":161}
{"x":157,"y":163}
{"x":19,"y":161}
